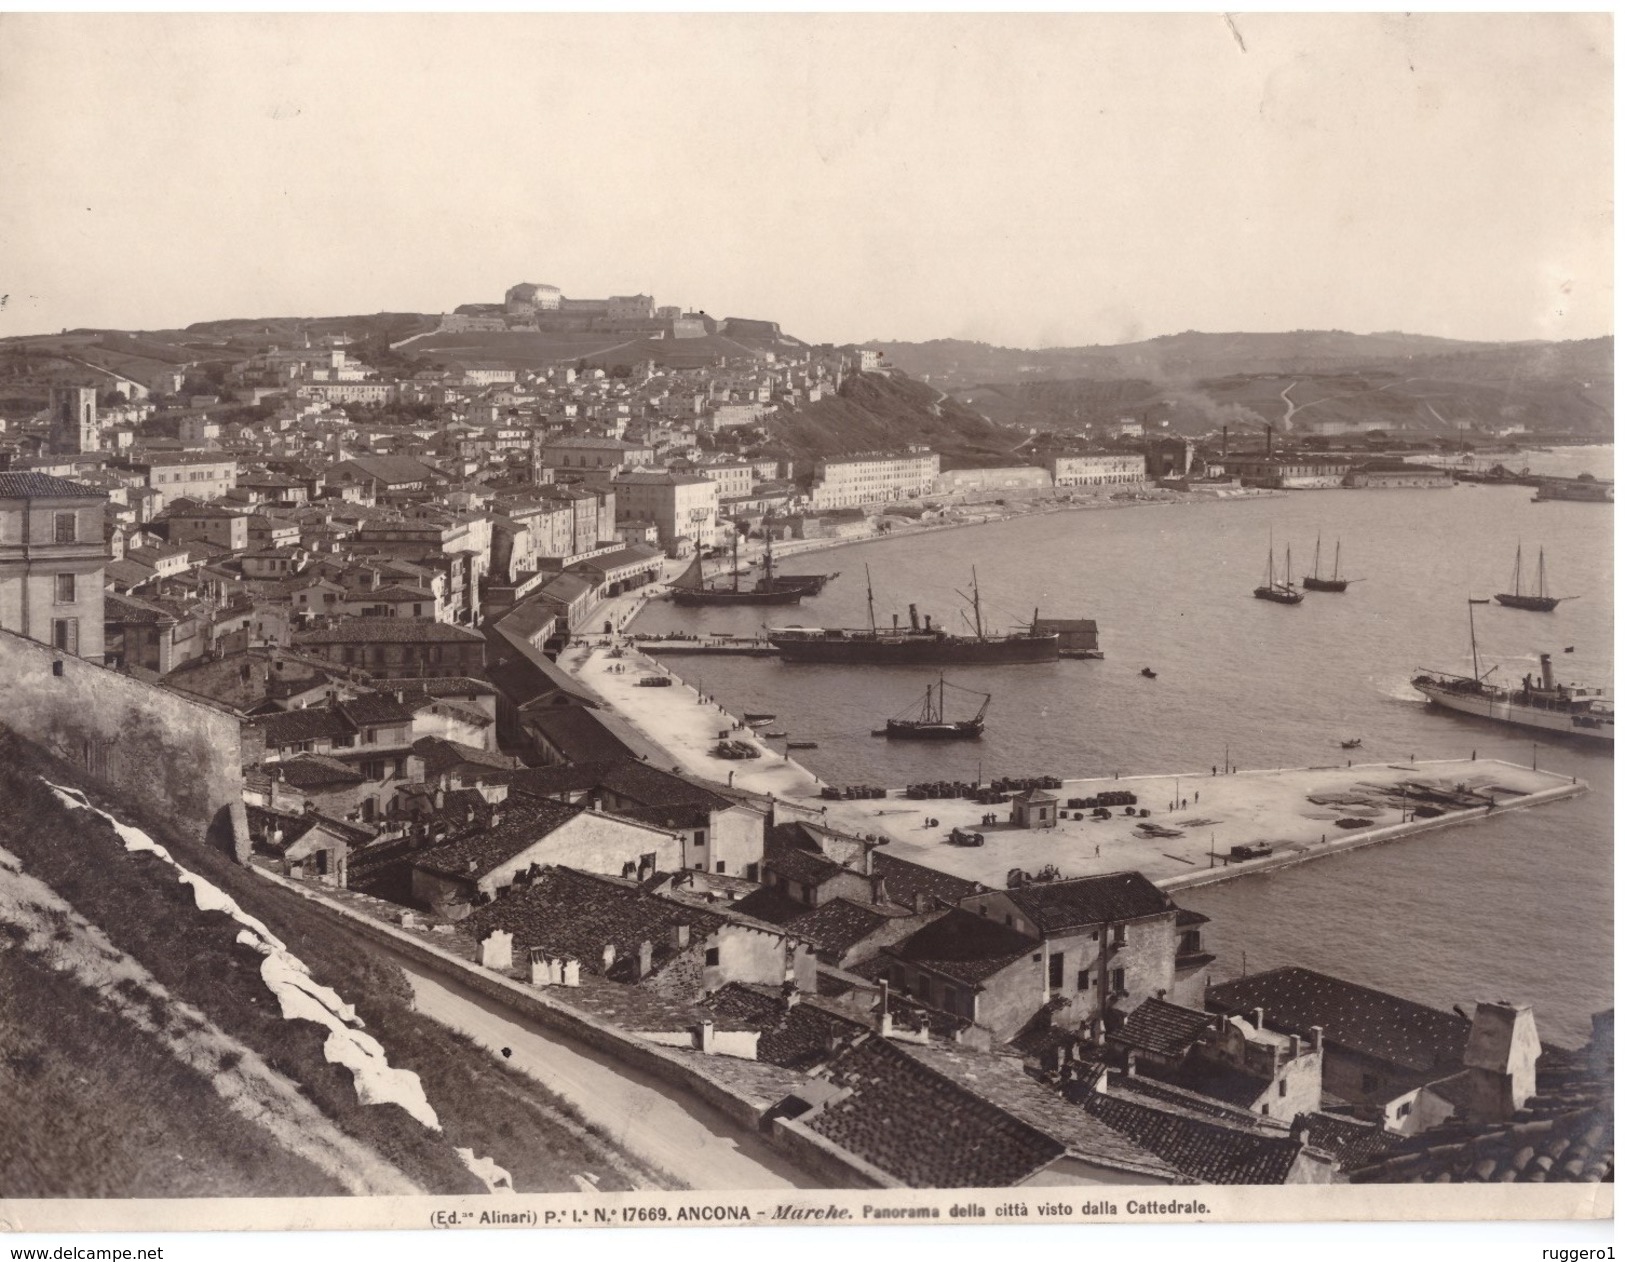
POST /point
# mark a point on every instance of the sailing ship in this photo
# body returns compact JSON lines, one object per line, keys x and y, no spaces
{"x":690,"y":588}
{"x":1315,"y":583}
{"x":929,"y":721}
{"x":1543,"y":704}
{"x":917,"y":644}
{"x":1537,"y":601}
{"x":1281,"y":593}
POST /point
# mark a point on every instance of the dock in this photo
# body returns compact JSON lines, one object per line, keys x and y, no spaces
{"x":1284,"y":817}
{"x":710,"y":646}
{"x":1186,"y":840}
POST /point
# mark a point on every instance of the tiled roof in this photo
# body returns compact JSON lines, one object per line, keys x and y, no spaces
{"x":1090,"y":900}
{"x":578,"y":733}
{"x":440,"y":755}
{"x":965,"y":946}
{"x":576,"y":914}
{"x":923,"y":1128}
{"x":798,"y":1037}
{"x":840,"y":924}
{"x":520,"y":825}
{"x":42,"y":485}
{"x":316,"y":771}
{"x":626,"y":778}
{"x":904,"y":879}
{"x":1354,"y":1143}
{"x":1002,"y":1081}
{"x":803,"y":866}
{"x":1363,"y":1020}
{"x":1206,"y":1144}
{"x":375,"y":708}
{"x":311,"y":723}
{"x":1575,"y":1147}
{"x":389,"y":631}
{"x":1161,"y":1027}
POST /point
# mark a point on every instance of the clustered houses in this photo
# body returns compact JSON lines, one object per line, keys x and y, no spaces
{"x":375,"y":573}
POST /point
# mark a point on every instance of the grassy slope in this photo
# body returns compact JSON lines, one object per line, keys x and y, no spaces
{"x":877,"y":413}
{"x":136,"y":901}
{"x":94,"y":1107}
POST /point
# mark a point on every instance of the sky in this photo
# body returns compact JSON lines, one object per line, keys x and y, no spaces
{"x":1036,"y":180}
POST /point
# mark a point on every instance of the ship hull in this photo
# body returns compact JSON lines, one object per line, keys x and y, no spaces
{"x":689,"y":597}
{"x":1326,"y":584}
{"x":922,"y":650}
{"x":1278,"y":596}
{"x":1535,"y":604}
{"x":902,"y":730}
{"x":1500,"y":708}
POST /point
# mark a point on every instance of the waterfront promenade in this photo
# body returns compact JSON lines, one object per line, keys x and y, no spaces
{"x":1194,"y":818}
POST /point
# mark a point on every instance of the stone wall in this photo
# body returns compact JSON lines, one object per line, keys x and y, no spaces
{"x":174,"y":754}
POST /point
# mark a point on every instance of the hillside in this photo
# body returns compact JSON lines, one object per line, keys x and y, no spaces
{"x":1186,"y":357}
{"x":1198,"y":382}
{"x":874,"y":412}
{"x":147,"y":1052}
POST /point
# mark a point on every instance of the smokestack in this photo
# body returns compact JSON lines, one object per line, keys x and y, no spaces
{"x":1546,"y":670}
{"x":914,"y":617}
{"x":1224,"y":442}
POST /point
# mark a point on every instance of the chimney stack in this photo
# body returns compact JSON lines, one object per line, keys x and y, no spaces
{"x":609,"y":957}
{"x":1133,"y":1068}
{"x":1316,"y":1035}
{"x":1296,"y":1045}
{"x":646,"y":958}
{"x":679,"y":936}
{"x":1258,"y":1017}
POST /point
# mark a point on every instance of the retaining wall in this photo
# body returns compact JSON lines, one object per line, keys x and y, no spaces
{"x":173,"y":753}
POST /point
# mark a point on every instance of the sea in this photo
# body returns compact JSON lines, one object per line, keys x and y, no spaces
{"x":1516,"y":908}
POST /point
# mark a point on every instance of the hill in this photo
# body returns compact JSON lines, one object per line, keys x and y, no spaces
{"x":1196,"y":382}
{"x":147,"y":1053}
{"x":875,"y":412}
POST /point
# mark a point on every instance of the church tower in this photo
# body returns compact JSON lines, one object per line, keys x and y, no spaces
{"x":73,"y":420}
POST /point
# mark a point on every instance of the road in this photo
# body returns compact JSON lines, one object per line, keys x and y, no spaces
{"x":678,"y":1134}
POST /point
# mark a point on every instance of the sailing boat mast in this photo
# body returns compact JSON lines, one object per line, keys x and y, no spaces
{"x":1337,"y":558}
{"x":1540,"y":571}
{"x":869,"y":582}
{"x":736,"y":560}
{"x":1317,"y":554}
{"x":976,"y":602}
{"x":1472,"y":634}
{"x":1517,"y":572}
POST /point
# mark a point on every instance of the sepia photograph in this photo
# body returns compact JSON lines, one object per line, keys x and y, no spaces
{"x":694,"y":620}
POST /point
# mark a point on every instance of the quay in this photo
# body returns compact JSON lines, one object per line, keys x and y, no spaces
{"x":702,"y":646}
{"x":1195,"y":818}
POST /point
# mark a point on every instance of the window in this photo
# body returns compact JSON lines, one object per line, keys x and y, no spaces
{"x":1265,"y":1110}
{"x":369,"y":736}
{"x":65,"y":634}
{"x":1118,"y":983}
{"x":1119,"y":935}
{"x":722,"y":868}
{"x":713,"y":956}
{"x":1057,"y":971}
{"x":66,"y":529}
{"x":1281,"y":1087}
{"x":1403,"y":1110}
{"x":753,"y":871}
{"x":64,"y":589}
{"x":699,"y":836}
{"x":1086,"y":979}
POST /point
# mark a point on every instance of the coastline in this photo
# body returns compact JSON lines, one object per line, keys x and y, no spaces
{"x":1181,"y":843}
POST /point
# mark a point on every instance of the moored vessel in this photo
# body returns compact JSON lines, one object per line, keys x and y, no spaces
{"x":1542,"y":704}
{"x":689,"y":589}
{"x":917,"y":644}
{"x":1537,"y":601}
{"x":1315,"y":583}
{"x":929,"y":720}
{"x":1280,"y":593}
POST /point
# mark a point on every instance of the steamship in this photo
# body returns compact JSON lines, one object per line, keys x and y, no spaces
{"x":917,"y":644}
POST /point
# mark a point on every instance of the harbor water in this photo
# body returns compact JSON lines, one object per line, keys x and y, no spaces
{"x":1516,"y":908}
